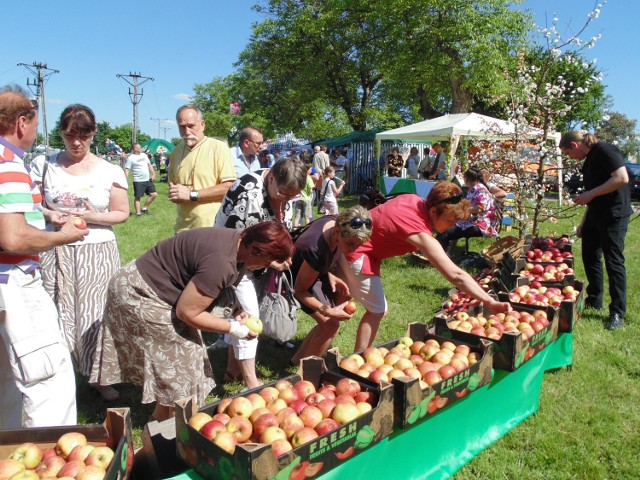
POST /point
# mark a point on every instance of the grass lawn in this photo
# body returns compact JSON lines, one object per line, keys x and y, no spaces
{"x":588,"y":425}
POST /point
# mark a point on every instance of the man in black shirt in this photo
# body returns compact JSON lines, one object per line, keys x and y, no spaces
{"x":604,"y":226}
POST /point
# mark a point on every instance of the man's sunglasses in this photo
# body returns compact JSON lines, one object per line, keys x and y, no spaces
{"x":453,"y":200}
{"x":358,"y":222}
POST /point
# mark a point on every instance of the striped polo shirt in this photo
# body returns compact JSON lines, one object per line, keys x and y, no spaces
{"x":18,"y":194}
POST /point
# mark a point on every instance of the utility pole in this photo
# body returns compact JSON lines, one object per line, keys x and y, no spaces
{"x":164,"y":130}
{"x":160,"y":122}
{"x":42,"y":72}
{"x":135,"y":82}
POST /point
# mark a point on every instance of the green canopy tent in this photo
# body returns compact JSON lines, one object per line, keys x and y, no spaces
{"x":157,"y":145}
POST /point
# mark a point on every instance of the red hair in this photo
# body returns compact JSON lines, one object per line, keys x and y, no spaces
{"x":270,"y":239}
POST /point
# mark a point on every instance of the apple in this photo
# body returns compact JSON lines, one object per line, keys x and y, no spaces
{"x":80,"y":452}
{"x":282,"y":384}
{"x":347,"y":386}
{"x":314,"y":398}
{"x":100,"y":456}
{"x":345,"y":412}
{"x":9,"y":467}
{"x":227,"y":441}
{"x":71,"y":469}
{"x":28,"y":454}
{"x":254,"y":324}
{"x":289,"y":395}
{"x":350,"y":307}
{"x":326,"y":406}
{"x":284,"y":413}
{"x":326,"y":425}
{"x":240,"y":427}
{"x":403,"y":364}
{"x":446,"y":371}
{"x":256,"y":400}
{"x":277,"y":405}
{"x":349,"y":364}
{"x":269,"y":393}
{"x":291,"y":424}
{"x":221,"y":417}
{"x":305,"y":388}
{"x":92,"y":472}
{"x":198,"y":420}
{"x":311,"y":416}
{"x":432,"y":377}
{"x":271,"y":434}
{"x":79,"y":223}
{"x":263,"y":422}
{"x":240,"y":407}
{"x":211,"y":429}
{"x":223,"y":404}
{"x":25,"y":475}
{"x":363,"y":407}
{"x":280,"y":447}
{"x":302,"y":436}
{"x":365,"y":396}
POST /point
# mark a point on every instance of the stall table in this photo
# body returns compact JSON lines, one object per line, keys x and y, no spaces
{"x":461,"y":432}
{"x":393,"y":185}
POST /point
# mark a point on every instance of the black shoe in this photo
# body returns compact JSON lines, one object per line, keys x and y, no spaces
{"x":593,"y":304}
{"x":615,"y":322}
{"x":146,"y":212}
{"x":138,"y":214}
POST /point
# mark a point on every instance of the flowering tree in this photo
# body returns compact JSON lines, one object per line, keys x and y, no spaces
{"x":552,"y":82}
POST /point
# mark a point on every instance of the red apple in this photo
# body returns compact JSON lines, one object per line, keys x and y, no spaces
{"x":100,"y":456}
{"x":350,"y":307}
{"x":223,"y":405}
{"x":257,"y":401}
{"x":92,"y":472}
{"x":240,"y":427}
{"x":314,"y":398}
{"x":305,"y":388}
{"x":280,"y":447}
{"x":302,"y":436}
{"x":291,"y":425}
{"x":80,"y":452}
{"x":326,"y":425}
{"x":282,"y":384}
{"x":239,"y":407}
{"x":263,"y":422}
{"x":269,"y":393}
{"x":284,"y":413}
{"x":311,"y":416}
{"x":221,"y":417}
{"x":326,"y":406}
{"x":347,"y":386}
{"x":10,"y":467}
{"x":71,"y":469}
{"x":79,"y":223}
{"x":271,"y":434}
{"x":289,"y":395}
{"x":211,"y":429}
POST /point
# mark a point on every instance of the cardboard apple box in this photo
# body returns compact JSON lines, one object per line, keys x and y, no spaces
{"x":414,"y":404}
{"x":511,"y":350}
{"x":495,"y":252}
{"x":568,"y":313}
{"x":257,"y":460}
{"x":115,"y":433}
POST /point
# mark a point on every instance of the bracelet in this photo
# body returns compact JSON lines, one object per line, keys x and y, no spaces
{"x":323,"y":310}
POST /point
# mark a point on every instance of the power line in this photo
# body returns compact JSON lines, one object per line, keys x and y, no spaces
{"x":160,"y":121}
{"x":42,"y":72}
{"x":135,"y":96}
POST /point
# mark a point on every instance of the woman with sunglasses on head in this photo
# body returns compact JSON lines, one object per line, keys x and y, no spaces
{"x":403,"y":225}
{"x":253,"y":198}
{"x":322,"y":295}
{"x":483,"y":221}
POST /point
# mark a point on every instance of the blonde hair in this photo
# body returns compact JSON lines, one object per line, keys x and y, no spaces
{"x":576,"y":136}
{"x":346,"y":230}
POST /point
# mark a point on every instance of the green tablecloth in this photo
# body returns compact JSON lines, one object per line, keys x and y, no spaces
{"x":392,"y":185}
{"x":460,"y":430}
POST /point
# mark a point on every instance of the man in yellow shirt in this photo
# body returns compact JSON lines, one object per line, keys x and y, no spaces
{"x":200,"y":172}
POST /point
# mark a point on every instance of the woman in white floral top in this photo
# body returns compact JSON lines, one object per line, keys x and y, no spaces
{"x":254,"y":198}
{"x":483,"y":221}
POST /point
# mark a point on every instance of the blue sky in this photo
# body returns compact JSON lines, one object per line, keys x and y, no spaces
{"x":183,"y":44}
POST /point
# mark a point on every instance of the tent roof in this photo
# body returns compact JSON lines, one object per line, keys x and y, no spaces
{"x":157,"y":143}
{"x":442,"y":128}
{"x":368,"y":136}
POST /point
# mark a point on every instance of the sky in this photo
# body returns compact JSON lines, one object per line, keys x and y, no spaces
{"x":182,"y":44}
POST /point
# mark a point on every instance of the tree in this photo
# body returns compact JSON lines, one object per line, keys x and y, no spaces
{"x":103,"y":131}
{"x":616,"y":128}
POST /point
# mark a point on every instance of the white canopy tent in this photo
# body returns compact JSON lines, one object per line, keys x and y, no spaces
{"x":452,"y":128}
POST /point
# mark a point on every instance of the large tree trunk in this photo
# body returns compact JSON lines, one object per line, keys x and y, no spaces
{"x":427,"y":111}
{"x":461,"y":99}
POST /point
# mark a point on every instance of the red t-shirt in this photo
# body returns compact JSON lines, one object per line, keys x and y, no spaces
{"x":393,"y":222}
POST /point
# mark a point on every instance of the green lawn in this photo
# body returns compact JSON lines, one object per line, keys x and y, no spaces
{"x":588,"y":425}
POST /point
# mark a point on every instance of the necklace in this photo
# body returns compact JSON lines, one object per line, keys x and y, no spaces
{"x":191,"y":176}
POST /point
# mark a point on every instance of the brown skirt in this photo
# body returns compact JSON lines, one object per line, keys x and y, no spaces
{"x":143,"y":343}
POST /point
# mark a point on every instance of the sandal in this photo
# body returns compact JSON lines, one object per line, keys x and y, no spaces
{"x":107,"y":392}
{"x":229,"y":377}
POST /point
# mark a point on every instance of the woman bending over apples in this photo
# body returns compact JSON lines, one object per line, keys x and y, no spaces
{"x":403,"y":225}
{"x":324,"y":296}
{"x":158,"y":304}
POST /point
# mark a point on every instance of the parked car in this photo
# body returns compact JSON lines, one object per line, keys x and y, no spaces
{"x":634,"y":179}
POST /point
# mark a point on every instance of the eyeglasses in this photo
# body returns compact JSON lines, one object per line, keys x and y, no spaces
{"x":453,"y":200}
{"x":261,"y":142}
{"x":358,"y":222}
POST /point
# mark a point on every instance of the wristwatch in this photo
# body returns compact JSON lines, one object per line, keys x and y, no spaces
{"x":193,"y":195}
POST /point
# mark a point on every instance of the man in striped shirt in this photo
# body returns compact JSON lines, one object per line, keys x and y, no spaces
{"x":36,"y":376}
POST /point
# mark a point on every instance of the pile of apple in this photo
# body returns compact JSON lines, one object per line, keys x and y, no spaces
{"x":430,"y":361}
{"x":459,"y":302}
{"x":493,"y":327}
{"x":285,"y":415}
{"x":71,"y":457}
{"x":537,"y":272}
{"x":550,"y":255}
{"x":536,"y":294}
{"x":484,"y":278}
{"x":545,"y":243}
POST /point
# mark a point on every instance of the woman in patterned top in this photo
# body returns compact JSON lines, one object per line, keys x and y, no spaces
{"x":254,"y":198}
{"x":483,"y":220}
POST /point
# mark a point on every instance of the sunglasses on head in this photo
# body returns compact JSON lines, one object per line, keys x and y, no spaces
{"x":451,"y":200}
{"x":358,"y":222}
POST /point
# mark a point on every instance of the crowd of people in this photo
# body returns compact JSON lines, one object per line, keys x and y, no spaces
{"x":67,"y":304}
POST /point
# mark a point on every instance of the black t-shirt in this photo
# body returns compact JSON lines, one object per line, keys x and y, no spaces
{"x":601,"y":161}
